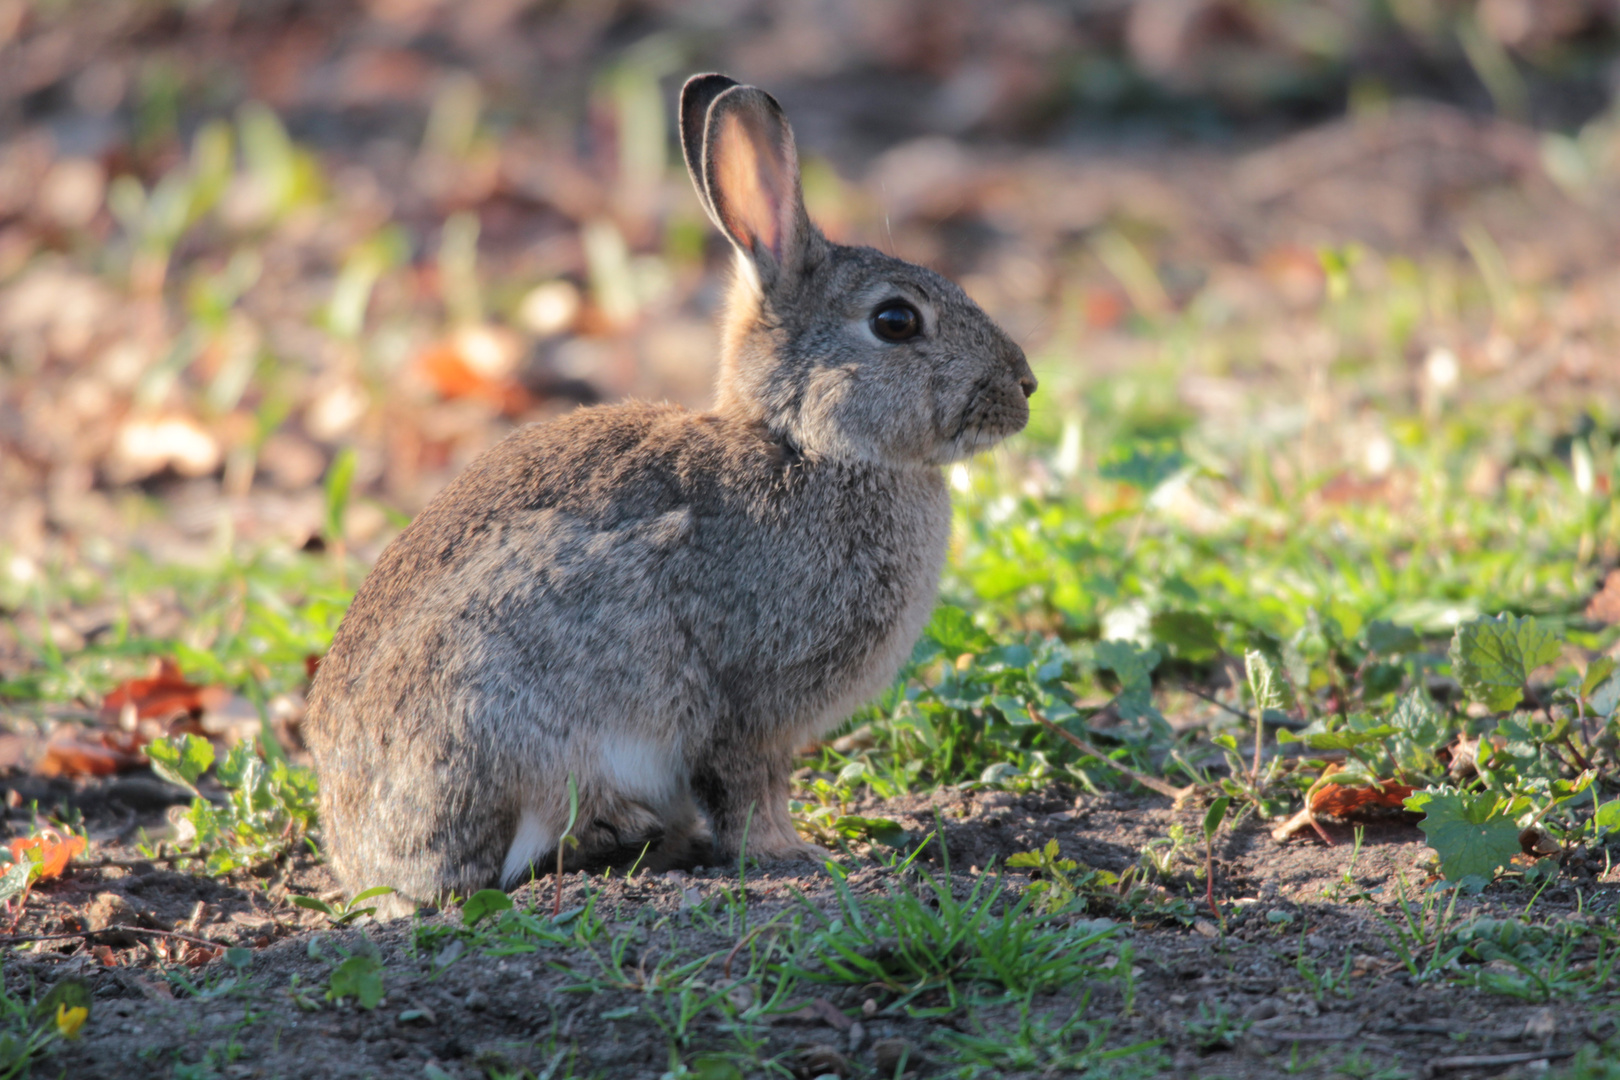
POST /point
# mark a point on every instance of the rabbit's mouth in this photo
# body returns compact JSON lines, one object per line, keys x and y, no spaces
{"x":969,"y":440}
{"x":989,"y":417}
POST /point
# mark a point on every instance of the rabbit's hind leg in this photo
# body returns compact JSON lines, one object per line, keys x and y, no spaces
{"x":425,"y":861}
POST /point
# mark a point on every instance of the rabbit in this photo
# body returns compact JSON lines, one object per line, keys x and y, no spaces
{"x":655,"y":606}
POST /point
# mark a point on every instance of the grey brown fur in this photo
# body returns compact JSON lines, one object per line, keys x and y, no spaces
{"x":659,"y":603}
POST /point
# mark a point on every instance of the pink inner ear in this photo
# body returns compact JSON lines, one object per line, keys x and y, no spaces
{"x":756,"y":183}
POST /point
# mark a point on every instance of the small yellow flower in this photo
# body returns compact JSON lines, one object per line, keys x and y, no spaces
{"x":69,"y":1021}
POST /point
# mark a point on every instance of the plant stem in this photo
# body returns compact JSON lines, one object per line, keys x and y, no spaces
{"x":1142,"y":778}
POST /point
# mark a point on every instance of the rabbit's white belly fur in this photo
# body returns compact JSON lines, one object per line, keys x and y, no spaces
{"x":640,"y":769}
{"x":627,"y":770}
{"x":533,"y":841}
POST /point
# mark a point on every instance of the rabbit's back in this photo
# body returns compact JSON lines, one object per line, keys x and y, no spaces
{"x":617,"y":594}
{"x":689,"y":520}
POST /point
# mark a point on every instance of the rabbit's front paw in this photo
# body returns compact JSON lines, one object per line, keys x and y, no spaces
{"x":795,"y":850}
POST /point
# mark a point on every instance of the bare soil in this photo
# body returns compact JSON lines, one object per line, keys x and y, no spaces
{"x":483,"y":1013}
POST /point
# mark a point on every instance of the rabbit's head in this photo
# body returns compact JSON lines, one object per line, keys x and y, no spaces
{"x":843,"y":352}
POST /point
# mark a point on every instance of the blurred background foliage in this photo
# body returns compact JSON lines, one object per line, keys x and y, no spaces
{"x":1323,"y":294}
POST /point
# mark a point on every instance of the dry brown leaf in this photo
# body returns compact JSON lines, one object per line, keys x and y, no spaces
{"x":1605,"y":606}
{"x":1361,"y":803}
{"x":70,"y":754}
{"x":164,"y":694}
{"x":195,"y":956}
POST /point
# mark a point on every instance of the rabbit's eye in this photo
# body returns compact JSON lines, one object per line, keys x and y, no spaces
{"x":896,"y":322}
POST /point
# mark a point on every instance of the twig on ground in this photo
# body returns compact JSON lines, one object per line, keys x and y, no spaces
{"x":1199,"y":692}
{"x":1153,"y":782}
{"x":1488,"y":1061}
{"x":18,"y":939}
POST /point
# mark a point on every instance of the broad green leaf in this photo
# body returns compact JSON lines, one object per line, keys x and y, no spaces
{"x":1190,"y":635}
{"x":367,"y":894}
{"x":1417,"y":717}
{"x":1420,"y":730}
{"x":359,"y":977}
{"x":952,"y":631}
{"x":16,"y":878}
{"x":1466,"y":831}
{"x":1596,"y":672}
{"x":879,"y":830}
{"x":1012,"y":710}
{"x":1265,"y":681}
{"x":240,"y":767}
{"x":1215,"y":815}
{"x":1492,"y":658}
{"x":1343,"y":739}
{"x":1390,"y":639}
{"x":1606,"y":698}
{"x":484,"y":902}
{"x":1132,"y":664}
{"x":1608,"y":816}
{"x":313,"y":903}
{"x":181,"y":760}
{"x":1143,"y":465}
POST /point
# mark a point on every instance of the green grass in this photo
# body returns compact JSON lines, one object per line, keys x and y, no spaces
{"x":249,"y":621}
{"x":923,"y":944}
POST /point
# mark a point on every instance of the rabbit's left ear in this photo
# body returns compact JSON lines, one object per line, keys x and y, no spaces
{"x":696,"y":97}
{"x":751,"y":177}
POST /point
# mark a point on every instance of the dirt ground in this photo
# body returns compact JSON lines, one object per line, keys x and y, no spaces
{"x":483,"y":1012}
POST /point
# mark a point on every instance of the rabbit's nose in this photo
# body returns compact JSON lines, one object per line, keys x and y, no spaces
{"x":1027,"y":384}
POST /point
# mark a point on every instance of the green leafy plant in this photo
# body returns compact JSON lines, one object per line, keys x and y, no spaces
{"x":1216,"y":1027}
{"x":357,"y":973}
{"x":493,"y":925}
{"x":1472,"y":833}
{"x":1056,"y":887}
{"x":269,"y":808}
{"x":1213,"y":817}
{"x":1531,"y":770}
{"x":1324,"y":981}
{"x":1536,"y":962}
{"x":1493,"y":658}
{"x":344,"y":912}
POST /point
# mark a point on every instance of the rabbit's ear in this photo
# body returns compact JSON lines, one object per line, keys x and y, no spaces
{"x":751,"y":174}
{"x":696,"y":97}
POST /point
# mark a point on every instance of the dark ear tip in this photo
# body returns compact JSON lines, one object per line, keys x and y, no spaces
{"x":751,"y":98}
{"x":709,"y":85}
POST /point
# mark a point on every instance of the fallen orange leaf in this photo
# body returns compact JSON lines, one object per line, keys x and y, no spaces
{"x":55,"y":851}
{"x":163,"y":694}
{"x":70,"y":755}
{"x":1360,"y":803}
{"x":474,"y":362}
